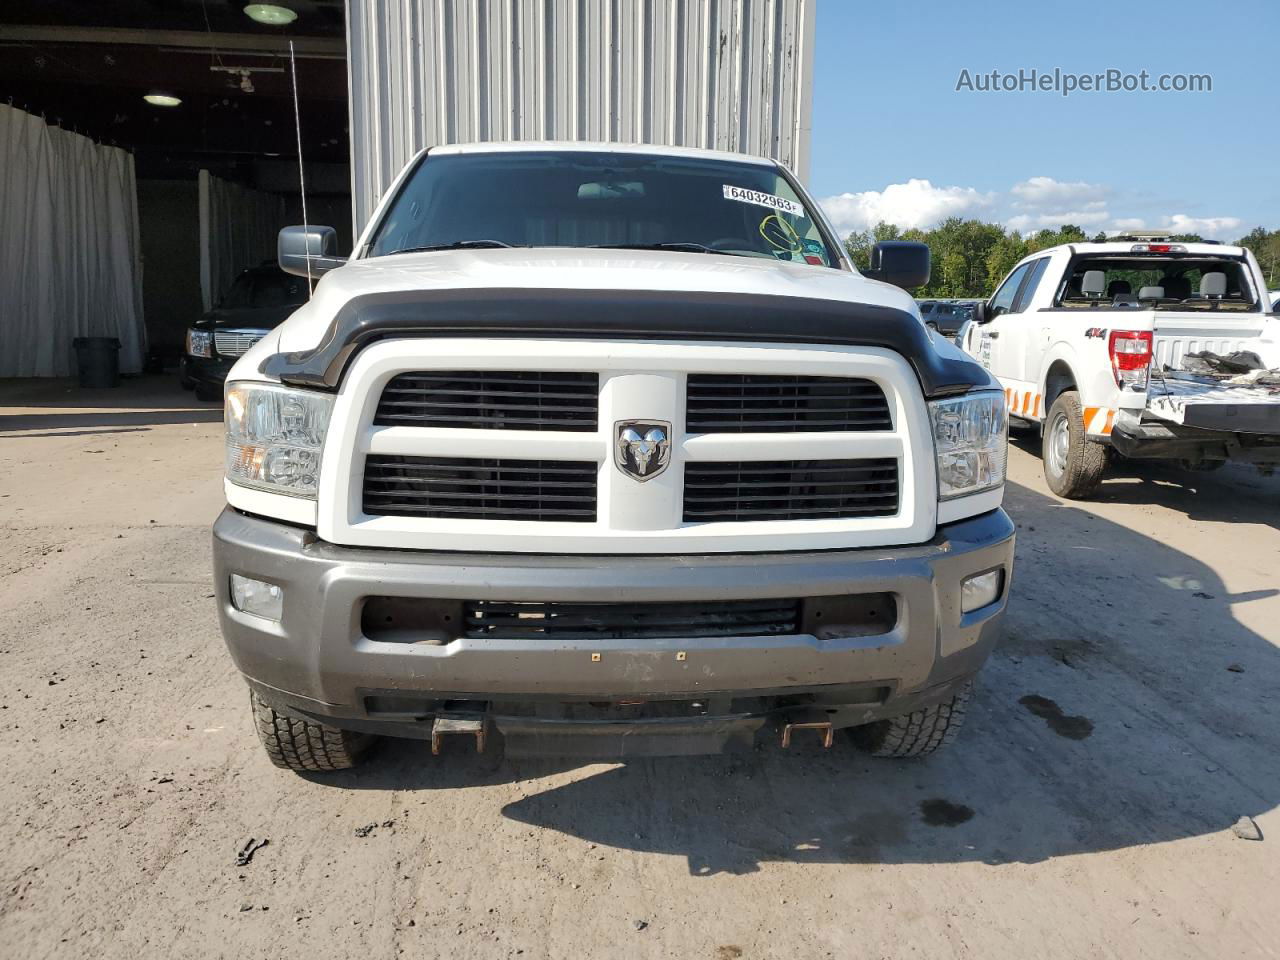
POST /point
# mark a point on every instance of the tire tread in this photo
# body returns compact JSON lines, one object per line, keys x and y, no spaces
{"x":918,"y":733}
{"x":1086,"y":460}
{"x":305,"y":746}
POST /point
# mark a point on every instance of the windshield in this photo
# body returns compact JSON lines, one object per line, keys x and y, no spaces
{"x":264,"y":289}
{"x":594,"y":199}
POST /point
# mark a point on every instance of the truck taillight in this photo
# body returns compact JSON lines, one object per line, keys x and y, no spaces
{"x":1130,"y":357}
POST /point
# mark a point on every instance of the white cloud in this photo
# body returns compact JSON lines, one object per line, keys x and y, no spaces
{"x":1029,"y":205}
{"x":916,"y":203}
{"x":1049,"y":194}
{"x":1043,"y":202}
{"x":1089,"y":215}
{"x":1215,"y":228}
{"x":1211,"y":228}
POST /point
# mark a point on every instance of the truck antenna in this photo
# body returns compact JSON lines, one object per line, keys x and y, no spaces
{"x":302,"y":177}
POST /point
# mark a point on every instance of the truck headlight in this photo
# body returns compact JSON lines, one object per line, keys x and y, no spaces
{"x":199,"y":343}
{"x":971,"y":439}
{"x":275,"y":436}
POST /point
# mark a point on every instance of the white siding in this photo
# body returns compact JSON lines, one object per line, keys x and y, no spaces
{"x":723,"y":74}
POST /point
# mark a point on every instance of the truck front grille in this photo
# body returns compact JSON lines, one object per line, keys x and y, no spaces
{"x":495,"y":400}
{"x":480,"y":489}
{"x":517,"y":445}
{"x":628,"y":621}
{"x":762,"y":403}
{"x":790,"y":490}
{"x":236,"y":343}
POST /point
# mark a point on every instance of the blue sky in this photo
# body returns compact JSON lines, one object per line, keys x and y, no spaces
{"x":893,"y":139}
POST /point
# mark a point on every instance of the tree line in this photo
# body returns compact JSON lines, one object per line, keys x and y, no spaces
{"x":970,"y":257}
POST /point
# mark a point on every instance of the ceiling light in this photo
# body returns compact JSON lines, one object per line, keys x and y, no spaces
{"x":162,"y":99}
{"x":270,"y":14}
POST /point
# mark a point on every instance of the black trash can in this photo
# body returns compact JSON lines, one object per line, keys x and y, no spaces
{"x":99,"y":361}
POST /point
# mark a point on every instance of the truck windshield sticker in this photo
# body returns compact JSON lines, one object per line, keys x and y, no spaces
{"x":780,"y":235}
{"x":815,"y":252}
{"x":761,"y":199}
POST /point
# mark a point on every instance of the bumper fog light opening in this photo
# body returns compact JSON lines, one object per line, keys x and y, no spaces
{"x":981,"y":590}
{"x":257,"y":597}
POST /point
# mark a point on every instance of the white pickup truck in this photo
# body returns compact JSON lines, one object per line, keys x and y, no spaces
{"x":607,"y":450}
{"x":1097,"y":344}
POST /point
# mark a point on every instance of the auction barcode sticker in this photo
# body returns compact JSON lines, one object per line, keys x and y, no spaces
{"x":743,"y":195}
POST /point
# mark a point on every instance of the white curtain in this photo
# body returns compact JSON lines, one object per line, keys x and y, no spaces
{"x":238,"y":229}
{"x":69,"y":255}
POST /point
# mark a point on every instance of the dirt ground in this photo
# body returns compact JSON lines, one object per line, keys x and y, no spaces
{"x":1128,"y":720}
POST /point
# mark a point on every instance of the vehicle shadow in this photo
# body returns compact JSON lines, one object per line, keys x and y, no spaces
{"x":1235,"y":493}
{"x":57,"y":405}
{"x":1127,"y":705}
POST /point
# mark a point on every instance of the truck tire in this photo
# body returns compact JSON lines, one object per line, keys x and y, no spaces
{"x":1073,"y":465}
{"x":1202,"y":466}
{"x":303,"y":745}
{"x":918,"y":733}
{"x":208,"y":394}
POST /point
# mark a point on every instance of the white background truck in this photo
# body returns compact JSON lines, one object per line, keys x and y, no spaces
{"x":607,"y":450}
{"x":1086,"y":339}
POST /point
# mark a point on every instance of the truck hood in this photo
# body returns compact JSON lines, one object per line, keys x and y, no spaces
{"x":553,"y":268}
{"x":567,"y":294}
{"x":250,"y":318}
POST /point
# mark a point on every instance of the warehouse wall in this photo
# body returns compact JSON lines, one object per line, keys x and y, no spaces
{"x":724,"y":74}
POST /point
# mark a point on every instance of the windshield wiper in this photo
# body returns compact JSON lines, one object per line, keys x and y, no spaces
{"x":685,"y":246}
{"x":456,"y":245}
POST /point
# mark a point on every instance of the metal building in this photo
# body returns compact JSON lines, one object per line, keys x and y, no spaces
{"x":726,"y":74}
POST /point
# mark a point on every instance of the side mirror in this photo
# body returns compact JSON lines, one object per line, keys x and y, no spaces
{"x":903,"y":263}
{"x":980,"y":314}
{"x":315,"y":248}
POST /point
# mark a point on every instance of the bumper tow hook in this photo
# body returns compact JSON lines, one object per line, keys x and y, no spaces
{"x":821,"y":726}
{"x":446,"y":723}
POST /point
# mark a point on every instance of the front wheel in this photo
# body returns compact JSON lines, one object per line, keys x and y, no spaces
{"x":1073,"y":465}
{"x":304,"y":745}
{"x":920,"y":732}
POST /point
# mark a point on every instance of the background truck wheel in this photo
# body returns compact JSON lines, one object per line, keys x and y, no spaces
{"x":1073,"y":466}
{"x":208,"y":394}
{"x":1202,"y":466}
{"x":916,"y":734}
{"x":305,"y":746}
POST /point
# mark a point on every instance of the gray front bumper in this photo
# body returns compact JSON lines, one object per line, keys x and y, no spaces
{"x":318,"y":662}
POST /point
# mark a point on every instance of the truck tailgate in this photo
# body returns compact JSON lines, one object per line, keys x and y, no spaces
{"x":1180,"y":333}
{"x":1215,"y":405}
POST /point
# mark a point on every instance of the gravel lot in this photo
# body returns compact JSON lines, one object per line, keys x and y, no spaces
{"x":1128,"y":720}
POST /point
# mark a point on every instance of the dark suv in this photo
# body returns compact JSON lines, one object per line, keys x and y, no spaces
{"x":259,"y":301}
{"x":946,"y":316}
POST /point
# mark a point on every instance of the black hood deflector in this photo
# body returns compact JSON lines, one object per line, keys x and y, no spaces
{"x":621,"y":315}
